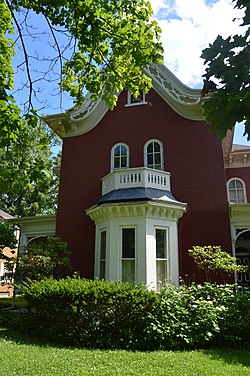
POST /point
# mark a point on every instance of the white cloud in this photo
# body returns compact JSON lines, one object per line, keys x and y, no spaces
{"x":188,"y":26}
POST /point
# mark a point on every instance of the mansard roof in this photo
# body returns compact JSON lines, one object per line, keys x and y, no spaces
{"x":182,"y":99}
{"x":135,"y":194}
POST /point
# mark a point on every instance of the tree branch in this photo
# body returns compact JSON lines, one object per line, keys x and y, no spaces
{"x":26,"y":56}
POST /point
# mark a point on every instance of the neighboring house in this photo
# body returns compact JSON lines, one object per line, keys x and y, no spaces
{"x":6,"y":277}
{"x":237,"y":171}
{"x":32,"y":228}
{"x":142,"y":184}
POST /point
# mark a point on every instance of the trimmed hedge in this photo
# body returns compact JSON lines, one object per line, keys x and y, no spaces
{"x":95,"y":314}
{"x":100,"y":314}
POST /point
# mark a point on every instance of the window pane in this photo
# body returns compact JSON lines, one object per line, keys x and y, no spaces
{"x":103,"y":254}
{"x":128,"y":243}
{"x":232,"y":184}
{"x":116,"y":162}
{"x":161,"y":243}
{"x":123,"y":150}
{"x":102,"y":269}
{"x":120,"y":156}
{"x":117,"y":151}
{"x":154,"y":155}
{"x":161,"y":273}
{"x":128,"y":270}
{"x":236,"y":192}
{"x":157,"y":158}
{"x":123,"y":161}
{"x":150,"y":148}
{"x":150,"y":159}
{"x":156,"y":147}
{"x":240,"y":194}
{"x":103,"y":246}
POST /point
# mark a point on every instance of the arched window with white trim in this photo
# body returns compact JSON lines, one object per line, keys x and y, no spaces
{"x":236,"y":191}
{"x":119,"y":156}
{"x":153,"y":154}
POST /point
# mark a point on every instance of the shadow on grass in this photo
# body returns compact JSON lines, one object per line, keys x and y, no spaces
{"x":25,"y":339}
{"x":16,"y":324}
{"x":230,"y":356}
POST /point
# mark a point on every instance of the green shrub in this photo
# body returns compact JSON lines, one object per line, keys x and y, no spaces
{"x":100,"y":314}
{"x":45,"y":257}
{"x":185,"y":318}
{"x":217,"y":264}
{"x":202,"y":316}
{"x":93,"y":313}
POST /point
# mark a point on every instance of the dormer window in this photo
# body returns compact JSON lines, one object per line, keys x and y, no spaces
{"x":153,"y":155}
{"x":119,"y":156}
{"x":135,"y":101}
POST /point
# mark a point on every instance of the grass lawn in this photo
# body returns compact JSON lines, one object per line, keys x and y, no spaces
{"x":20,"y":302}
{"x":23,"y":356}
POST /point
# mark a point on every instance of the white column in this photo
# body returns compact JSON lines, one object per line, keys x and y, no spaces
{"x":173,"y":254}
{"x":22,"y":244}
{"x":114,"y":252}
{"x":141,"y":251}
{"x":150,"y":254}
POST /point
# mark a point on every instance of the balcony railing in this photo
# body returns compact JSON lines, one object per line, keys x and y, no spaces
{"x":142,"y":177}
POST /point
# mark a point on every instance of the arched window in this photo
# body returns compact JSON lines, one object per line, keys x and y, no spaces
{"x":236,"y":191}
{"x":153,"y":154}
{"x":119,"y":157}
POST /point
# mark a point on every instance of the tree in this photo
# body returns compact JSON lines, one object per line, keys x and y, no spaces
{"x":7,"y":236}
{"x":106,"y":44}
{"x":226,"y":85}
{"x":217,"y":264}
{"x":29,"y":176}
{"x":45,"y":257}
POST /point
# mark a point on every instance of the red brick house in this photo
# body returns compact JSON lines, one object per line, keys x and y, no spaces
{"x":142,"y":184}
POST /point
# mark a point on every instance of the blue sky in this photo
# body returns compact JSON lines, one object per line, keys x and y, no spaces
{"x":188,"y":26}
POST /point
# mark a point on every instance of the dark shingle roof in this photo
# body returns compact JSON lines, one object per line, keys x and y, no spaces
{"x":135,"y":194}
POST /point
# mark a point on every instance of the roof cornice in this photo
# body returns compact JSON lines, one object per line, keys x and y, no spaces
{"x":147,"y":209}
{"x":182,"y":99}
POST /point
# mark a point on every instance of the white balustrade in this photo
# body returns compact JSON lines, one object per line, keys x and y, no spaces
{"x":143,"y":177}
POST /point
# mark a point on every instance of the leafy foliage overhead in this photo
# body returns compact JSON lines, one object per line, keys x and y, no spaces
{"x":7,"y":236}
{"x":227,"y":78}
{"x":29,"y":176}
{"x":106,"y":45}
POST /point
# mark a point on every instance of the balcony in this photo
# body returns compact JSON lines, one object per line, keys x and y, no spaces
{"x":142,"y":177}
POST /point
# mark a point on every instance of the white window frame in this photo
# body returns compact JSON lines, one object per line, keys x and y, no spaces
{"x":139,"y":103}
{"x":129,"y":258}
{"x":113,"y":156}
{"x":161,"y":154}
{"x":160,"y":284}
{"x":236,"y":190}
{"x":104,"y":260}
